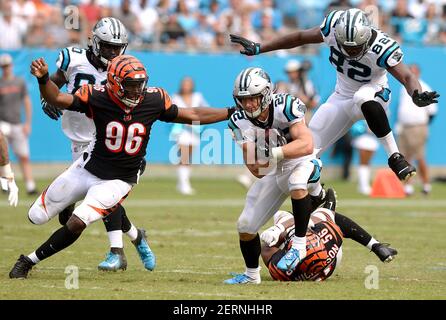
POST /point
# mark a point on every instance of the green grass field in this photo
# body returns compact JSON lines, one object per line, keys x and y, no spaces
{"x":196,"y":244}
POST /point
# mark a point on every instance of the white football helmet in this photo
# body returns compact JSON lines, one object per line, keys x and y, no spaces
{"x":253,"y":82}
{"x":109,"y":39}
{"x":353,"y":32}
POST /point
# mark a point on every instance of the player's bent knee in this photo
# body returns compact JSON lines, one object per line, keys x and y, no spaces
{"x":76,"y":225}
{"x":247,"y":236}
{"x":37,"y":214}
{"x":87,"y":214}
{"x":299,"y":193}
{"x":245,"y":226}
{"x":364,"y":94}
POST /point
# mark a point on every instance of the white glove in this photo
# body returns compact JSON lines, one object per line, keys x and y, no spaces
{"x":271,"y":235}
{"x":13,"y":190}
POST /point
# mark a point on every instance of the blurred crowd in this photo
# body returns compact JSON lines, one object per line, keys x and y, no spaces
{"x":204,"y":25}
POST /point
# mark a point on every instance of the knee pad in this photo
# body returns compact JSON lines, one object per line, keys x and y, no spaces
{"x":37,"y":214}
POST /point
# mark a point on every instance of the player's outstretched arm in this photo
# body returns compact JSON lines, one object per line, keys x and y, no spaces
{"x":48,"y":89}
{"x":292,"y":40}
{"x":51,"y":111}
{"x":422,"y":99}
{"x":203,"y":115}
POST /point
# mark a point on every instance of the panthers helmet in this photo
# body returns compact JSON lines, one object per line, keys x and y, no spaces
{"x":127,"y":80}
{"x":253,"y":82}
{"x":352,"y":33}
{"x":109,"y":39}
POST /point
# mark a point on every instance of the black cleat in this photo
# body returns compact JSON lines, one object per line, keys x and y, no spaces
{"x":403,"y":169}
{"x":330,"y":200}
{"x":317,"y":201}
{"x":384,"y":252}
{"x":21,"y":268}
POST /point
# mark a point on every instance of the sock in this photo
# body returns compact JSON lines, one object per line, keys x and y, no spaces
{"x":389,"y":144}
{"x":364,"y":179}
{"x":299,"y":243}
{"x":301,"y":213}
{"x":376,"y":118}
{"x":371,"y":243}
{"x":115,"y":239}
{"x":251,"y":252}
{"x":113,"y":221}
{"x":253,"y":273}
{"x":58,"y":241}
{"x":132,"y":233}
{"x":427,"y":187}
{"x":183,"y":176}
{"x":34,"y":258}
{"x":352,"y":230}
{"x":409,"y":189}
{"x":30,"y":185}
{"x":126,"y":225}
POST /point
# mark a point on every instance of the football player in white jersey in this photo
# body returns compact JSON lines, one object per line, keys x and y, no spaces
{"x":361,"y":55}
{"x":271,"y":129}
{"x":77,"y":67}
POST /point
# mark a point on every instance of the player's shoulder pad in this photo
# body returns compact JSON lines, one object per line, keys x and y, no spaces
{"x":330,"y":21}
{"x":388,"y":50}
{"x":67,"y":56}
{"x":85,"y":91}
{"x":293,"y":108}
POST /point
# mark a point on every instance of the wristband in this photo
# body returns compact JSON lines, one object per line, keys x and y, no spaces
{"x":6,"y":171}
{"x":44,"y":79}
{"x":277,"y":153}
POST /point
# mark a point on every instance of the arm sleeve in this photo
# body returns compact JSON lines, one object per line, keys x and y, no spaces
{"x":391,"y":56}
{"x":63,"y":61}
{"x":294,"y":109}
{"x":169,"y":110}
{"x":329,"y":22}
{"x":240,"y":134}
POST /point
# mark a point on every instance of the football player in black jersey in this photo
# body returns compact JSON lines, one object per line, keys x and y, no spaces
{"x":123,"y":111}
{"x":327,"y":229}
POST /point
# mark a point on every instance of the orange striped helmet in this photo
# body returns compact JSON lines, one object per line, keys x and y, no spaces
{"x":127,"y":80}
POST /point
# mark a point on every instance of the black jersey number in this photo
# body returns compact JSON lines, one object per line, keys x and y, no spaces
{"x":358,"y":71}
{"x":84,"y":78}
{"x":118,"y":138}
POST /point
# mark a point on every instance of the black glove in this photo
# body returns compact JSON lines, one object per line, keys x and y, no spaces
{"x":250,"y":48}
{"x":425,"y":98}
{"x":50,"y":110}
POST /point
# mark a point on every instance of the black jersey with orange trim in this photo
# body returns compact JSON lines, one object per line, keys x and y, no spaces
{"x":324,"y":241}
{"x":122,"y":134}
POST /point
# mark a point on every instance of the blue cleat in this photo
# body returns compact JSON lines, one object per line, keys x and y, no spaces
{"x":113,"y":262}
{"x":146,"y":255}
{"x":241,"y":278}
{"x":291,"y":259}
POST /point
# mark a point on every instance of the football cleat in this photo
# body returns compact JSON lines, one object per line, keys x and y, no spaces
{"x":291,"y":259}
{"x":330,"y":200}
{"x":146,"y":254}
{"x":21,"y":268}
{"x":399,"y":165}
{"x":242,"y":278}
{"x":384,"y":252}
{"x":317,"y":201}
{"x":113,"y":262}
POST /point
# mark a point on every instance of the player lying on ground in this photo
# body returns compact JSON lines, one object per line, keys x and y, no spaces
{"x":6,"y":174}
{"x":277,"y":148}
{"x":361,"y":55}
{"x":123,"y":111}
{"x":325,"y":235}
{"x":76,"y":67}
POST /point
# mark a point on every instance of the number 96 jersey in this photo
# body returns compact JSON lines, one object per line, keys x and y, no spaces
{"x":383,"y":53}
{"x":78,"y":70}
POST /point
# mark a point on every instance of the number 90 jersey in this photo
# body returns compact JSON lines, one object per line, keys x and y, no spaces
{"x":383,"y":53}
{"x":78,"y":70}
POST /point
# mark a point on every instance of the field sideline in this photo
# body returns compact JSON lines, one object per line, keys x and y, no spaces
{"x":196,"y":244}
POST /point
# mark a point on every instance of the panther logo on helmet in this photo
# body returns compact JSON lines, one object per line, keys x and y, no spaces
{"x":127,"y":80}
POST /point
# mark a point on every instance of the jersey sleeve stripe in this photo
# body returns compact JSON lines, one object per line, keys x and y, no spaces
{"x":382,"y":61}
{"x":65,"y":59}
{"x":326,"y":28}
{"x":288,"y":108}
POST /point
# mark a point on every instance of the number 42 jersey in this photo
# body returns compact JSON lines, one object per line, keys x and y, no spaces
{"x":78,"y":70}
{"x":383,"y":53}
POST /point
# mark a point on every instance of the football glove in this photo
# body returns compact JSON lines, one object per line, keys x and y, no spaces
{"x":9,"y":185}
{"x":425,"y":98}
{"x":50,"y":110}
{"x":250,"y":48}
{"x":271,"y":235}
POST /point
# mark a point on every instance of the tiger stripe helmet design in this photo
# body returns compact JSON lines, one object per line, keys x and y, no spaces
{"x":127,"y":80}
{"x":353,"y":32}
{"x":108,"y":32}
